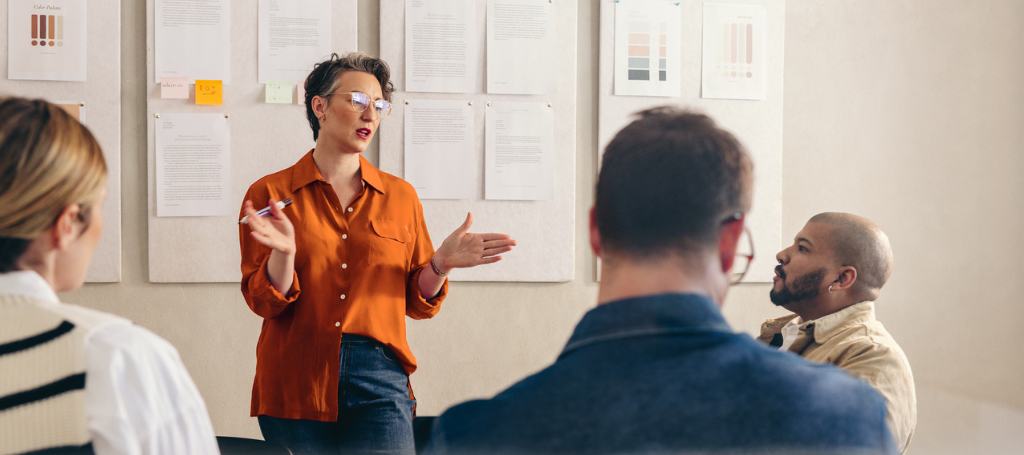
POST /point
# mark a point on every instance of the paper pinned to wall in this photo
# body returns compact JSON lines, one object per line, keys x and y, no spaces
{"x":76,"y":110}
{"x":519,"y":143}
{"x":174,"y":88}
{"x":647,"y":48}
{"x":193,"y":39}
{"x":519,"y":31}
{"x":734,"y":59}
{"x":293,"y":36}
{"x":441,"y":46}
{"x":440,"y":158}
{"x":193,"y":173}
{"x":300,"y":92}
{"x":277,"y":92}
{"x":46,"y":40}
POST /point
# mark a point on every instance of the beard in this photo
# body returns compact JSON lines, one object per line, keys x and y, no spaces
{"x":803,"y":288}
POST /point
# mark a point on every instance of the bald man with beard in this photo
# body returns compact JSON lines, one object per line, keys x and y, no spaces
{"x":829,"y":279}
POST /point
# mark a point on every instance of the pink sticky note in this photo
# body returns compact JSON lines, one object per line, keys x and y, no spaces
{"x":300,"y":92}
{"x":174,"y":88}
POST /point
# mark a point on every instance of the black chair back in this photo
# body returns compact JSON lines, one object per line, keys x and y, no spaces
{"x":230,"y":445}
{"x":421,"y":428}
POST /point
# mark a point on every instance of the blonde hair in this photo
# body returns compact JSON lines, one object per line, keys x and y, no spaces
{"x":48,"y":161}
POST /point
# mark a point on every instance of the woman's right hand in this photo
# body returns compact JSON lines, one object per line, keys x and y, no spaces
{"x":274,"y":231}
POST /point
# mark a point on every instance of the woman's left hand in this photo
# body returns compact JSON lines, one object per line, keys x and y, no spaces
{"x":465,"y":249}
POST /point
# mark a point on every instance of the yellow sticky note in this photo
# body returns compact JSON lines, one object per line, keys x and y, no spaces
{"x":209,"y":92}
{"x":278,"y":92}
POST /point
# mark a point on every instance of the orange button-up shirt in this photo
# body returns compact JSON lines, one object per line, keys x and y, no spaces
{"x":356,"y":271}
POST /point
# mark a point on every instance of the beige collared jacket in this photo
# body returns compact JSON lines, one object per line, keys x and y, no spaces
{"x":854,"y":340}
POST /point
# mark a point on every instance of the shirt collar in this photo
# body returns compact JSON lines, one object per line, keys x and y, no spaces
{"x":647,"y":315}
{"x":826,"y":327}
{"x":305,"y":172}
{"x":792,"y":330}
{"x":773,"y":326}
{"x":797,"y":322}
{"x":370,"y":174}
{"x":29,"y":284}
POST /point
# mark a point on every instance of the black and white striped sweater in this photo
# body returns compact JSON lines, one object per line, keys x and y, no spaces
{"x":42,"y":378}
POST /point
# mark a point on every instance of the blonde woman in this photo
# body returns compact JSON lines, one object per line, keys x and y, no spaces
{"x":71,"y":378}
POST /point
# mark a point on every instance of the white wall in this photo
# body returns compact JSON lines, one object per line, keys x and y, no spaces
{"x":907,"y":111}
{"x":911,"y":112}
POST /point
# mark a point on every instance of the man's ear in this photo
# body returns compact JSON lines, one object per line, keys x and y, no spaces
{"x":846,"y":279}
{"x":595,"y":235}
{"x":728,"y":239}
{"x":66,"y":228}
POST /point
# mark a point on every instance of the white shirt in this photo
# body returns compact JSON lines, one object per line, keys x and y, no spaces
{"x":139,"y":398}
{"x":791,"y":331}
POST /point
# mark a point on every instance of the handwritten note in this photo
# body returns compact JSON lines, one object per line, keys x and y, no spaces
{"x":209,"y":92}
{"x":277,"y":92}
{"x":174,"y":88}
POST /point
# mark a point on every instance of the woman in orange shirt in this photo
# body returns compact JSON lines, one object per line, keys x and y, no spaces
{"x":335,"y":273}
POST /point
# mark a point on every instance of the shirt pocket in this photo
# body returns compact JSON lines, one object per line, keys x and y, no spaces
{"x":391,"y":243}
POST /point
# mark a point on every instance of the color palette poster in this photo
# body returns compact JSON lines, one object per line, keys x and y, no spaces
{"x":647,"y":47}
{"x":46,"y":40}
{"x":734,"y":51}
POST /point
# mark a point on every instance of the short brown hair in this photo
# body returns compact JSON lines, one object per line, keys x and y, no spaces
{"x":324,"y":77}
{"x":48,"y":161}
{"x":667,"y":181}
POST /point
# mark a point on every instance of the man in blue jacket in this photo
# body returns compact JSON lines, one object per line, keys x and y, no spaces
{"x":655,"y":368}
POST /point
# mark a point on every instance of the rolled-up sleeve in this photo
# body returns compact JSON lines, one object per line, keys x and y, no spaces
{"x":416,"y":306}
{"x":260,"y":294}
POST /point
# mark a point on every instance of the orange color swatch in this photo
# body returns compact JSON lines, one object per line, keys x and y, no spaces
{"x":75,"y":110}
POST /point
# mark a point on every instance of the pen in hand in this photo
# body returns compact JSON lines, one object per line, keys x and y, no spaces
{"x":266,"y":210}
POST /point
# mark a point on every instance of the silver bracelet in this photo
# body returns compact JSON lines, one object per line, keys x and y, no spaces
{"x":436,"y":269}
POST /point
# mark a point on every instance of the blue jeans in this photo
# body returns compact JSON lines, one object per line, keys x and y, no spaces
{"x":374,"y":408}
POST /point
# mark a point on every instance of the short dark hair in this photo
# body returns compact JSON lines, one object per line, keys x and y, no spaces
{"x":322,"y":80}
{"x":667,"y":182}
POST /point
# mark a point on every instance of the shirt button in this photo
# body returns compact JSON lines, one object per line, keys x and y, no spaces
{"x":350,"y":210}
{"x":344,"y":266}
{"x":344,"y":236}
{"x":343,"y":296}
{"x":337,"y":324}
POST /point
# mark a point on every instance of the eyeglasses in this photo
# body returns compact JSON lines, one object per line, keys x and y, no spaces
{"x":360,"y":102}
{"x":744,"y":256}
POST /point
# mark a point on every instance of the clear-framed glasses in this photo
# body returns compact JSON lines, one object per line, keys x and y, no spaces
{"x":744,"y":252}
{"x":360,"y":102}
